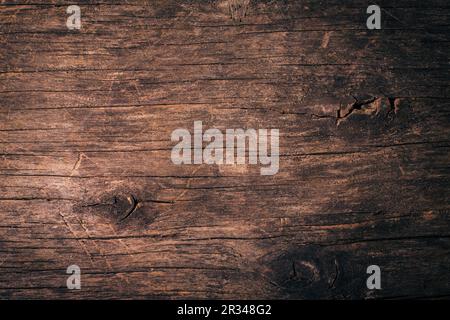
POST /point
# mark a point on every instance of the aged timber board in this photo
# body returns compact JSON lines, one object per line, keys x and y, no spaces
{"x":86,"y":176}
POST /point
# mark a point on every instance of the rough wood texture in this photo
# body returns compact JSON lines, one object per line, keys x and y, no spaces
{"x":85,"y":170}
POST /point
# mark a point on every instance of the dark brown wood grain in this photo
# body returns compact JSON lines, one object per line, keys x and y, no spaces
{"x":86,"y":176}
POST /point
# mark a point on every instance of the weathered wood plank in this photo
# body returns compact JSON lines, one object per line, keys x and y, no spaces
{"x":86,"y":176}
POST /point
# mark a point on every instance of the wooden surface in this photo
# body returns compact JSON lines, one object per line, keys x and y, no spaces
{"x":85,"y":124}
